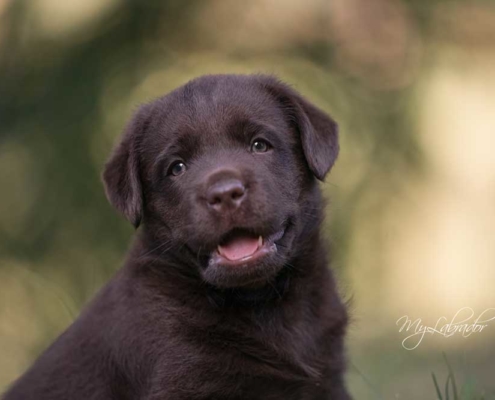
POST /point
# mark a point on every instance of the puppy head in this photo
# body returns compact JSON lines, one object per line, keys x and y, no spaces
{"x":223,"y":170}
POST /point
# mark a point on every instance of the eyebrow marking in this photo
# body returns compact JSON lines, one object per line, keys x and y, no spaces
{"x":180,"y":145}
{"x":250,"y":127}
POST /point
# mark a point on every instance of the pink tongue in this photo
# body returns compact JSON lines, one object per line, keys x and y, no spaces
{"x":238,"y":248}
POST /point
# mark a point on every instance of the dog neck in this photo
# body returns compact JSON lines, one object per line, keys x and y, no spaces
{"x":273,"y":291}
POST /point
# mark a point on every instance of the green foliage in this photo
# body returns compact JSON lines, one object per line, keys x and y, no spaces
{"x":450,"y":391}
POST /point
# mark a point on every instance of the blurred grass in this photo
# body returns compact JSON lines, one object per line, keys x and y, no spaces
{"x":450,"y":391}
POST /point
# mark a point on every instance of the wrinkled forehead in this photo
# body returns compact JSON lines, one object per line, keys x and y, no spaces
{"x":209,"y":112}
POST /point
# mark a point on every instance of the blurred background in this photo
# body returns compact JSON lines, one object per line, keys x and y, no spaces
{"x":412,"y":213}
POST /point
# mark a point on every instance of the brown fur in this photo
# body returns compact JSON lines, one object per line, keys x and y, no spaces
{"x":172,"y":325}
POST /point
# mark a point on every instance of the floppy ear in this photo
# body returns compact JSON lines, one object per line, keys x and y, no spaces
{"x":319,"y":132}
{"x":319,"y":136}
{"x":121,"y":174}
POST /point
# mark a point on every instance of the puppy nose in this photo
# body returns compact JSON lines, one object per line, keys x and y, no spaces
{"x":225,"y":195}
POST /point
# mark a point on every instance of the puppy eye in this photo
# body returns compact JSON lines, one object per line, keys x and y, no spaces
{"x":260,"y":146}
{"x":177,"y":168}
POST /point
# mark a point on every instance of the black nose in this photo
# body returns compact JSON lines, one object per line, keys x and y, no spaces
{"x":226,"y":194}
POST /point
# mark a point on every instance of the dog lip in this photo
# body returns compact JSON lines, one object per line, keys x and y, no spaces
{"x":265,"y":246}
{"x":277,"y":235}
{"x":240,"y":247}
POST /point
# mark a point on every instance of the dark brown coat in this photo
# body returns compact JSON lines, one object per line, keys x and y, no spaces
{"x":178,"y":321}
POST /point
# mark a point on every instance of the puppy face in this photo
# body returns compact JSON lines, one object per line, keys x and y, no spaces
{"x":222,"y":172}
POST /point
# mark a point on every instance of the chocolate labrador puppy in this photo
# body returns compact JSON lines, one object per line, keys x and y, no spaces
{"x":226,"y":292}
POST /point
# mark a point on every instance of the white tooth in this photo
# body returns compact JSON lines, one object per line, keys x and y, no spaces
{"x":260,"y":242}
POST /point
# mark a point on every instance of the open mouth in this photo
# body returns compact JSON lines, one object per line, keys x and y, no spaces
{"x":241,"y":247}
{"x":247,"y":258}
